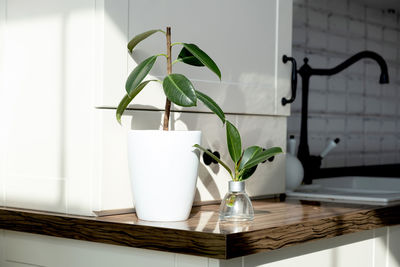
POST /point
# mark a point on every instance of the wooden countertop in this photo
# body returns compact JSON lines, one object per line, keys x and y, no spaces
{"x":276,"y":225}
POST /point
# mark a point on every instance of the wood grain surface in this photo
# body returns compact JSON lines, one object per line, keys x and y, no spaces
{"x":276,"y":225}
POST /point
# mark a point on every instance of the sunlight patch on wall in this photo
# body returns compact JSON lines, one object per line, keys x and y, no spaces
{"x":47,"y":66}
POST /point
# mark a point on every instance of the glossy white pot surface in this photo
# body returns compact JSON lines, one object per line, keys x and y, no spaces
{"x":163,"y":169}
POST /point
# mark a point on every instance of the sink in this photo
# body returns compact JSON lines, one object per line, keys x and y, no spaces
{"x":351,"y":189}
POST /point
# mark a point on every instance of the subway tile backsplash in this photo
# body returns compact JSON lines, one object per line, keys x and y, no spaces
{"x":351,"y":105}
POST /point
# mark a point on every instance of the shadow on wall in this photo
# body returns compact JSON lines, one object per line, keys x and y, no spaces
{"x":185,"y":121}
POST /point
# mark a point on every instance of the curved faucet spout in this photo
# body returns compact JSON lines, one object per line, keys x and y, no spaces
{"x":306,"y":72}
{"x":384,"y":77}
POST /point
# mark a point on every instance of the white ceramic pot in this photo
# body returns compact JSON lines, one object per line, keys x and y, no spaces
{"x":163,"y":168}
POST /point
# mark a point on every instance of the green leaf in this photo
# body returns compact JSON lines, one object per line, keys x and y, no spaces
{"x":127,"y":99}
{"x":180,"y":90}
{"x":214,"y":157}
{"x":140,"y":37}
{"x":234,"y":142}
{"x":247,"y":173}
{"x":211,"y":105}
{"x":248,"y":154}
{"x":122,"y":106}
{"x":138,"y":74}
{"x":261,"y":156}
{"x":203,"y":58}
{"x":187,"y":57}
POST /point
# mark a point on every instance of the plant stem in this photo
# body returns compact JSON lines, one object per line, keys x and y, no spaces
{"x":177,"y":43}
{"x":164,"y":55}
{"x":167,"y":111}
{"x":176,"y":61}
{"x":236,"y":178}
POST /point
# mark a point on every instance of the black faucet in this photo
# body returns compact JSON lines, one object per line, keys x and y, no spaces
{"x":311,"y":163}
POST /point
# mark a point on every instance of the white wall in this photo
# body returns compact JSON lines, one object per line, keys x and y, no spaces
{"x":351,"y":105}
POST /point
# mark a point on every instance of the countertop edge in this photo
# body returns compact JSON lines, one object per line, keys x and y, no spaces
{"x":199,"y":243}
{"x":113,"y":233}
{"x":248,"y":243}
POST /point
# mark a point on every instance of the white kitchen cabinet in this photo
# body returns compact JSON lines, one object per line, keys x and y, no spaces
{"x":2,"y":133}
{"x":393,"y":245}
{"x":37,"y":250}
{"x":265,"y":131}
{"x":60,"y":59}
{"x":349,"y":250}
{"x":58,"y":252}
{"x":47,"y":73}
{"x":246,"y":40}
{"x":363,"y":249}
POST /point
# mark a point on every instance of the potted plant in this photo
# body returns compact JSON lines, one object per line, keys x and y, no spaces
{"x":163,"y":164}
{"x":236,"y":205}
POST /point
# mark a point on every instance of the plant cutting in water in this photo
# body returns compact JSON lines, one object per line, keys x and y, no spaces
{"x":245,"y":161}
{"x":177,"y":88}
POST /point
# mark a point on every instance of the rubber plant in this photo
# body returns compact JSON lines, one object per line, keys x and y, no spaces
{"x":177,"y":88}
{"x":245,"y":161}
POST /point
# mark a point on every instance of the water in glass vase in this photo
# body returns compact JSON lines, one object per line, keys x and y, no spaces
{"x":236,"y":205}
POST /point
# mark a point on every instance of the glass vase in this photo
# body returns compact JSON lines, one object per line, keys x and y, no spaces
{"x":236,"y":205}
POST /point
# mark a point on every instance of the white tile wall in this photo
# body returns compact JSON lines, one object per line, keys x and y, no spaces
{"x":351,"y":105}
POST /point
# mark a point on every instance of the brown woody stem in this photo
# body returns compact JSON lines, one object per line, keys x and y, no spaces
{"x":167,"y":111}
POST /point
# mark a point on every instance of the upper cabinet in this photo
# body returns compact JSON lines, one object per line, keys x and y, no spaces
{"x":245,"y":38}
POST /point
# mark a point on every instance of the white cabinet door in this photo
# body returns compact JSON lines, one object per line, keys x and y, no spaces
{"x":393,"y":246}
{"x":265,"y":131}
{"x":349,"y":250}
{"x":39,"y":250}
{"x":359,"y":250}
{"x":22,"y":249}
{"x":47,"y":71}
{"x":245,"y":38}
